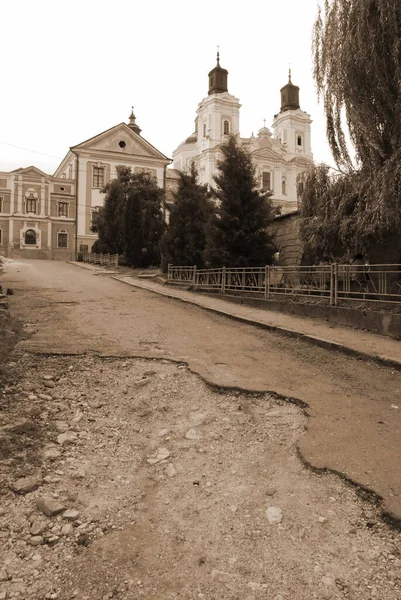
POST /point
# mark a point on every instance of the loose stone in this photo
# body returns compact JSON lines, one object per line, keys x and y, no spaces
{"x":36,"y":540}
{"x":38,"y":527}
{"x":193,"y":434}
{"x":274,"y":515}
{"x":170,"y":471}
{"x":49,"y":384}
{"x":162,"y":454}
{"x":61,"y":426}
{"x":71,"y":514}
{"x":26,"y":484}
{"x":51,"y":453}
{"x":49,"y":506}
{"x":67,"y":529}
{"x":69,"y":437}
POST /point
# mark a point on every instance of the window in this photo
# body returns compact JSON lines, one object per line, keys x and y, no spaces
{"x":299,"y":140}
{"x":284,"y":186}
{"x":30,"y":237}
{"x":204,"y":129}
{"x":98,"y":177}
{"x":63,"y":209}
{"x":1,"y":203}
{"x":30,"y":202}
{"x":62,"y":239}
{"x":226,"y":128}
{"x":266,"y":180}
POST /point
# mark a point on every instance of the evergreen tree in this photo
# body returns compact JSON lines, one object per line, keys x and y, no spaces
{"x":184,"y":241}
{"x":132,"y":228}
{"x":108,"y":224}
{"x":237,"y":234}
{"x":131,"y":220}
{"x":152,"y":220}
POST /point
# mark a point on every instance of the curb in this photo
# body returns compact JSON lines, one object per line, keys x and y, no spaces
{"x":293,"y":333}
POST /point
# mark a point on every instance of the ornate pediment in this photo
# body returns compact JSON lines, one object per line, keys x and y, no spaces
{"x":122,"y":140}
{"x":266,"y":154}
{"x":30,"y":172}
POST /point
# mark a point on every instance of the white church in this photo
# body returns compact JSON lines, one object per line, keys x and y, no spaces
{"x":278,"y":155}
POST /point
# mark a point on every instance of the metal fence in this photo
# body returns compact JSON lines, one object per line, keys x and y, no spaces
{"x":106,"y":260}
{"x":331,"y":284}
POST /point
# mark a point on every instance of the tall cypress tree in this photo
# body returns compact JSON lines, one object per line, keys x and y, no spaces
{"x":152,"y":220}
{"x":184,"y":241}
{"x":109,"y":221}
{"x":133,"y":238}
{"x":237,"y":233}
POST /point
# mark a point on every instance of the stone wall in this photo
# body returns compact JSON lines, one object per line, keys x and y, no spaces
{"x":285,"y":230}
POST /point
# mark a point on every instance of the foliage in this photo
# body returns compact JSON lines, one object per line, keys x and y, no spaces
{"x":237,"y":235}
{"x":357,"y":67}
{"x":152,"y":220}
{"x":184,"y":241}
{"x":110,"y":217}
{"x":133,"y":236}
{"x":131,"y":220}
{"x":357,"y":58}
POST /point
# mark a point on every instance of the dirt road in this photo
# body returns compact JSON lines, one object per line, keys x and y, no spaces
{"x":173,"y":481}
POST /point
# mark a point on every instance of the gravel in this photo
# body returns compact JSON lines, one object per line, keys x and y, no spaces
{"x":134,"y":507}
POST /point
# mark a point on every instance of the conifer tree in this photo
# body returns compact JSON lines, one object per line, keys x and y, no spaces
{"x":131,"y":220}
{"x":184,"y":241}
{"x":132,"y":228}
{"x":109,"y":219}
{"x":237,"y":234}
{"x":152,"y":220}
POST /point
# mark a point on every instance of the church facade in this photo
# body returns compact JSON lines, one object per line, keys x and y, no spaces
{"x":278,"y":155}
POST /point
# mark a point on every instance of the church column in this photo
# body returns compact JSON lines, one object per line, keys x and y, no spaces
{"x":49,"y":235}
{"x":12,"y":197}
{"x":42,"y":198}
{"x":11,"y":233}
{"x":19,"y":207}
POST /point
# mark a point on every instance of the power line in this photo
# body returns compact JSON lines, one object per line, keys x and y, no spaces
{"x":33,"y":151}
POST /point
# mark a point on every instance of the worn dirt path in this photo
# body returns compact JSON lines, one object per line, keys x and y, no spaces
{"x":354,"y":427}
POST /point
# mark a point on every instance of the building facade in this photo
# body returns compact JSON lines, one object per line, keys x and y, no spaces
{"x":93,"y":164}
{"x":50,"y":216}
{"x":37,"y":214}
{"x":278,"y":155}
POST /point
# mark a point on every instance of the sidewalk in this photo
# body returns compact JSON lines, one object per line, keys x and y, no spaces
{"x":362,"y":344}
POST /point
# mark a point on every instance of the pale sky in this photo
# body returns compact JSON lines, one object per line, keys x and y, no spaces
{"x":71,"y":70}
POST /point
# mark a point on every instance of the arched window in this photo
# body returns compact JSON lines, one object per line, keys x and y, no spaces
{"x":299,"y":140}
{"x":30,"y":237}
{"x":31,"y":201}
{"x":283,"y":186}
{"x":226,"y":128}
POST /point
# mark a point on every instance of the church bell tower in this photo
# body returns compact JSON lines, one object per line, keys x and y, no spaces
{"x":291,"y":125}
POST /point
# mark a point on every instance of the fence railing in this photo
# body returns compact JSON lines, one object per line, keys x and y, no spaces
{"x":106,"y":260}
{"x":331,"y":283}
